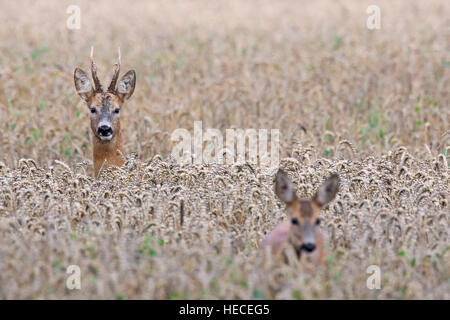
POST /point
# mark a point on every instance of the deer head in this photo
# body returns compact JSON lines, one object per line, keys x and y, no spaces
{"x":304,"y":213}
{"x":104,"y":107}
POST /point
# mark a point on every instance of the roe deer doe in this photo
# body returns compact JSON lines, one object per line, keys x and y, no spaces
{"x":105,"y":109}
{"x":302,"y":231}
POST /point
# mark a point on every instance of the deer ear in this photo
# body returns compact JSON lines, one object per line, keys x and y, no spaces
{"x":83,"y":84}
{"x":327,"y":191}
{"x":284,"y":188}
{"x":126,"y":85}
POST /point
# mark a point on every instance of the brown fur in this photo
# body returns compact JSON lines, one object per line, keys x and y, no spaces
{"x":105,"y":105}
{"x":305,"y":210}
{"x":105,"y":153}
{"x":303,"y":214}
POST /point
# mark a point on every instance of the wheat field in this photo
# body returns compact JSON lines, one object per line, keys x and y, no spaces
{"x":371,"y":105}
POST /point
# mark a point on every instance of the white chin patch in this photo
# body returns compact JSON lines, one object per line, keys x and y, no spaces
{"x":105,"y":138}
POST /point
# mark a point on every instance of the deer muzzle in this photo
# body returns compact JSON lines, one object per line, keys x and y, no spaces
{"x":309,"y":240}
{"x":104,"y":130}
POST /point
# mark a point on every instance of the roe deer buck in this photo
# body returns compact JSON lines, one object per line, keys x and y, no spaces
{"x":302,"y":230}
{"x":105,"y":109}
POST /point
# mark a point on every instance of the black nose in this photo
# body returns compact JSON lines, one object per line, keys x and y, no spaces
{"x":105,"y":131}
{"x":308,"y":247}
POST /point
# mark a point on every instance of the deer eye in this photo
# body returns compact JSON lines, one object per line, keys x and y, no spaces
{"x":317,"y":221}
{"x":116,"y":110}
{"x":93,"y":110}
{"x":294,"y":221}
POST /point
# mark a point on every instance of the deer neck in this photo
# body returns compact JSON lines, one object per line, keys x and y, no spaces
{"x":106,"y":153}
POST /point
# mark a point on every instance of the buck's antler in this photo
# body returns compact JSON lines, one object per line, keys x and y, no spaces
{"x":112,"y":85}
{"x":97,"y":85}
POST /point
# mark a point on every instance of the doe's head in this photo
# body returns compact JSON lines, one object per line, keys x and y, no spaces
{"x":304,"y":213}
{"x":104,"y":106}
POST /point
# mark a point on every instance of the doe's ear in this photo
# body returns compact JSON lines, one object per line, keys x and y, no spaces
{"x":126,"y":85}
{"x":284,"y":188}
{"x":327,"y":191}
{"x":83,"y":84}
